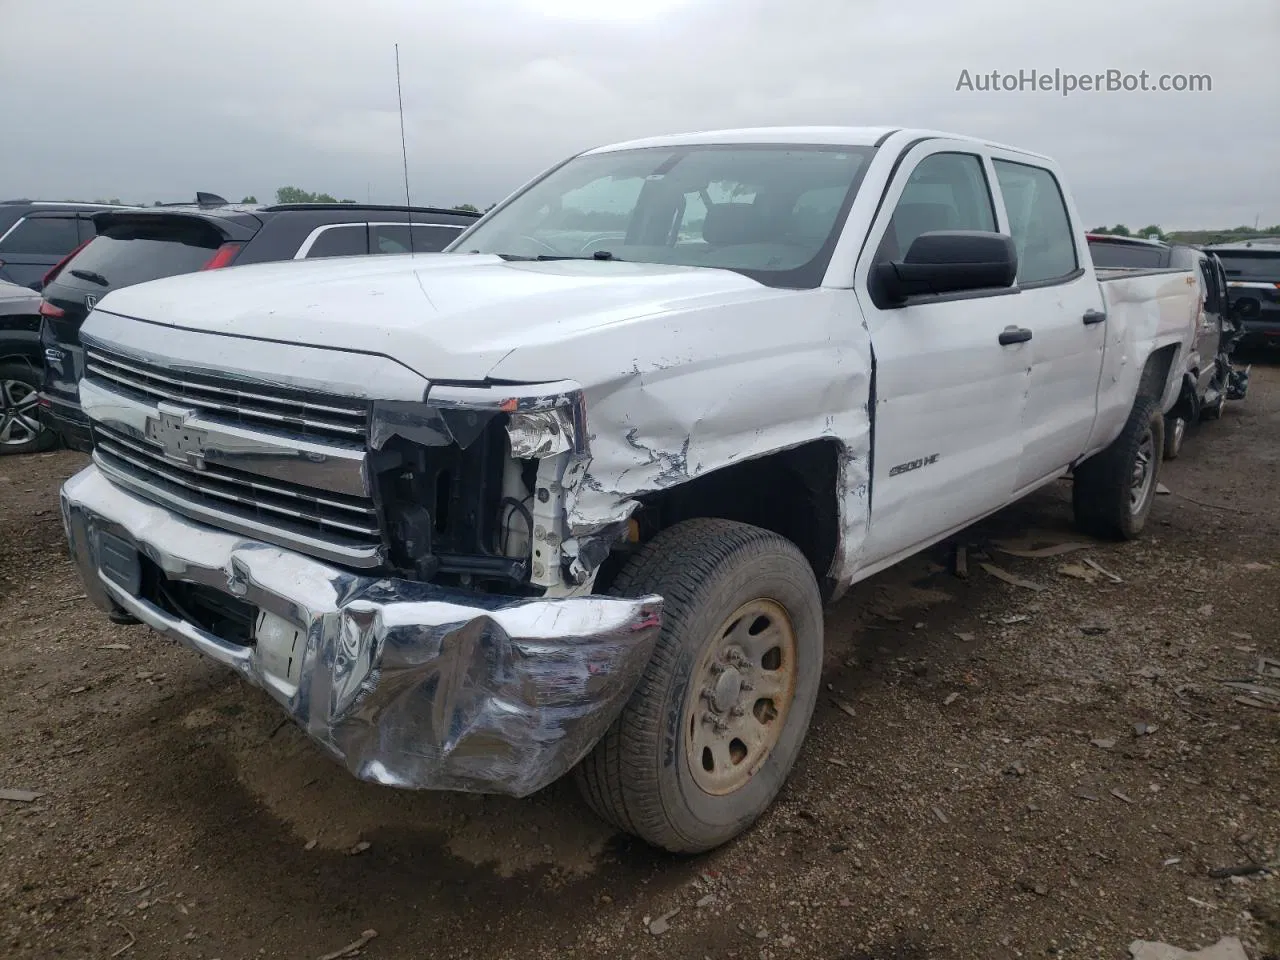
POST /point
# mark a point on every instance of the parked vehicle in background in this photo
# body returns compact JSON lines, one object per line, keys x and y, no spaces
{"x":1253,"y":276}
{"x":36,"y":234}
{"x":137,"y":245}
{"x":20,"y":371}
{"x":1207,"y":371}
{"x":475,"y":521}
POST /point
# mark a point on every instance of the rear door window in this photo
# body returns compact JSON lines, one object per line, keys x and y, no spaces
{"x":42,"y":236}
{"x":1038,"y":222}
{"x":343,"y":240}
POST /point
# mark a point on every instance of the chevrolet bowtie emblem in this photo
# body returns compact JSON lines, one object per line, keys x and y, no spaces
{"x":171,"y":429}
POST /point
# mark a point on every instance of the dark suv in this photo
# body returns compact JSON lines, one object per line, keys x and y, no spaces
{"x":36,"y":234}
{"x":1253,"y":278}
{"x":151,"y":242}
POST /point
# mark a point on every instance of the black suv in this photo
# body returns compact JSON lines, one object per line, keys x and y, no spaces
{"x":148,"y":243}
{"x":1253,"y":279}
{"x":36,"y":234}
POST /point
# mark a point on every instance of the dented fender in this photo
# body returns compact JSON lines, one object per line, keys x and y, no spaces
{"x":685,"y":393}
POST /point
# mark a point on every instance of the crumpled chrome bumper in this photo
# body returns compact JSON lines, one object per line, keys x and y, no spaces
{"x":407,"y":684}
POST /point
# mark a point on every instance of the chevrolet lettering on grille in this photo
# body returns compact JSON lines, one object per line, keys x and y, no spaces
{"x":170,"y":428}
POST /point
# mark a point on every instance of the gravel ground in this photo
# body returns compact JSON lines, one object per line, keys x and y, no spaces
{"x":990,"y":795}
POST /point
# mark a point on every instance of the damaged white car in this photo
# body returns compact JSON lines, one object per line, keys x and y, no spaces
{"x":571,"y":496}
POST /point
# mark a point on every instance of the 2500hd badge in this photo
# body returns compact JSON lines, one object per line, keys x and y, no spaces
{"x":913,"y":465}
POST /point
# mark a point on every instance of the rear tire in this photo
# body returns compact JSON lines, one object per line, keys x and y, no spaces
{"x":1112,"y":491}
{"x":20,"y":428}
{"x":695,"y":757}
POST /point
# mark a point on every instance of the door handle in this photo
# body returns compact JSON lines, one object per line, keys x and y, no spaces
{"x":1014,"y":335}
{"x":1092,"y":316}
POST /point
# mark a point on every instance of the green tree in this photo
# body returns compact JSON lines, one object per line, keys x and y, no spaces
{"x":250,"y":199}
{"x":294,"y":195}
{"x":1120,"y":230}
{"x":1151,"y":232}
{"x":467,"y":208}
{"x":489,"y":207}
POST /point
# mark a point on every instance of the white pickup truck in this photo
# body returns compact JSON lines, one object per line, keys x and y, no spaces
{"x":571,"y":495}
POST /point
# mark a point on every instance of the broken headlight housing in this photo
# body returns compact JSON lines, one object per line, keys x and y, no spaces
{"x":469,"y":480}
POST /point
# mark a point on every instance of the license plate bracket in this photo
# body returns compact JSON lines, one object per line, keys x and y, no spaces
{"x":120,"y":562}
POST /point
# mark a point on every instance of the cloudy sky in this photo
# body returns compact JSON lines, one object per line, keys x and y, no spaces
{"x":154,"y":99}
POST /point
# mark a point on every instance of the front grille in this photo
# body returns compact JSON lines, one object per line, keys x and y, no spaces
{"x":278,"y":504}
{"x":263,"y":406}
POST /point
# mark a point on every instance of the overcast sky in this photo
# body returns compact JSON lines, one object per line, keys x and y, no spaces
{"x":153,"y":99}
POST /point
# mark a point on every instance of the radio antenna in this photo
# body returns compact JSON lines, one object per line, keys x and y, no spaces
{"x":404,"y":153}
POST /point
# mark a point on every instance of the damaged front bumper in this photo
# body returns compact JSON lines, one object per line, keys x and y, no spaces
{"x":407,"y":684}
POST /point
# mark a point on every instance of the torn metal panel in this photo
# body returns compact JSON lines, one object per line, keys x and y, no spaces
{"x":407,"y":684}
{"x":661,"y":420}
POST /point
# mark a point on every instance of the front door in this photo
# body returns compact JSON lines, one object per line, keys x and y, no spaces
{"x":948,"y":395}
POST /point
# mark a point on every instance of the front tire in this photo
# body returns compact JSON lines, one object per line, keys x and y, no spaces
{"x":20,"y":428}
{"x":716,"y":722}
{"x":1112,"y":491}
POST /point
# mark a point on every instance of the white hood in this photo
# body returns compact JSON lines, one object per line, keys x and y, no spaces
{"x":445,"y":316}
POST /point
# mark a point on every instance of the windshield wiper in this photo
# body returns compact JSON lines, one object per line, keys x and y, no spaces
{"x":598,"y":255}
{"x":92,"y":277}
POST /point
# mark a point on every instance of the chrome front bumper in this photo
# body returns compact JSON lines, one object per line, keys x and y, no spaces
{"x":407,"y":684}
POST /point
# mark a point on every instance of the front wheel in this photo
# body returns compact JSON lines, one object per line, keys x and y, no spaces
{"x":20,"y":428}
{"x":1112,"y":491}
{"x":716,"y":722}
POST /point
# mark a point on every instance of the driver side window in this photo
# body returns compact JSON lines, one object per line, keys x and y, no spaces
{"x":946,"y":191}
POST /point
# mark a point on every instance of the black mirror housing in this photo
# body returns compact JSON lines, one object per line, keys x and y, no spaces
{"x":947,"y":261}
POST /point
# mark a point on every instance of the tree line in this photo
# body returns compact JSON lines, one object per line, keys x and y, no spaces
{"x":1153,"y":232}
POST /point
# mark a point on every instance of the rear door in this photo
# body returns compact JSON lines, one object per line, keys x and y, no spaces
{"x":948,"y":395}
{"x":1061,"y":302}
{"x":36,"y":243}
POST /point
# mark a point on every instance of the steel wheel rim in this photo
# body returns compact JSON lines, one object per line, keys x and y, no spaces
{"x":19,"y":421}
{"x":1143,"y":471}
{"x":742,"y":693}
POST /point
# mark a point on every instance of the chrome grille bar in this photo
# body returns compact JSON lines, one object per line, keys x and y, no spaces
{"x":349,"y":514}
{"x":229,"y":401}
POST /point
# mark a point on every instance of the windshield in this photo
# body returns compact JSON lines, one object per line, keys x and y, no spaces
{"x":771,"y":212}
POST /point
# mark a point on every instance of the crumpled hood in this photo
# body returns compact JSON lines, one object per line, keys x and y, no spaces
{"x":445,"y":316}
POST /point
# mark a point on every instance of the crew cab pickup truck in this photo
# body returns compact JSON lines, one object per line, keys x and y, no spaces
{"x":570,"y":495}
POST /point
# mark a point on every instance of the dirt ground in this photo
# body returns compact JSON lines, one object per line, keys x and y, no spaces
{"x":988,"y":797}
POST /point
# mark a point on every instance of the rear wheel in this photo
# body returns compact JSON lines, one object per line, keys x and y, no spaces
{"x":716,"y":723}
{"x":1112,"y":492}
{"x":20,"y":428}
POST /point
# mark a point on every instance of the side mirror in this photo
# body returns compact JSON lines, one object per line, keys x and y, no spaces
{"x":947,"y":261}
